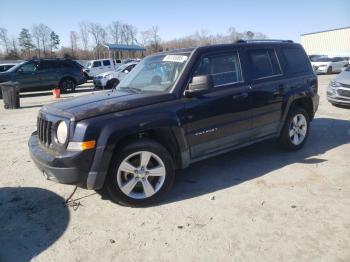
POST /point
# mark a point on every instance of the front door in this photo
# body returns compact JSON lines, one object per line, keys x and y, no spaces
{"x":220,"y":119}
{"x":26,"y":75}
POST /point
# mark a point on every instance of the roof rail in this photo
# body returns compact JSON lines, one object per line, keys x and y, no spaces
{"x":263,"y":40}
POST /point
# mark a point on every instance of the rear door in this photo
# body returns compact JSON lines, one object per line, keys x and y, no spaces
{"x":47,"y":74}
{"x":107,"y":65}
{"x":220,"y":119}
{"x":268,"y":86}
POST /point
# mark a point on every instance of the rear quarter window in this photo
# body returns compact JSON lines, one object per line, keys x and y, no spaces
{"x":296,"y":60}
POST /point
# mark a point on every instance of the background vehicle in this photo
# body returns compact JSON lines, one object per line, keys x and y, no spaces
{"x":112,"y":78}
{"x":96,"y":67}
{"x":338,"y":92}
{"x":5,"y":67}
{"x":44,"y":74}
{"x":173,"y":109}
{"x":329,"y":65}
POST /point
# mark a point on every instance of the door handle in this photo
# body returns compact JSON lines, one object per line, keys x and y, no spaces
{"x":240,"y":96}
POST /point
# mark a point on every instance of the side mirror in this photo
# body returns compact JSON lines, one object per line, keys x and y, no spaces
{"x":200,"y":85}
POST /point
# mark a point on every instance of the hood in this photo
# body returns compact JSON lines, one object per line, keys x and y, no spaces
{"x":5,"y":76}
{"x":95,"y":104}
{"x":343,"y":78}
{"x":320,"y":63}
{"x":106,"y":73}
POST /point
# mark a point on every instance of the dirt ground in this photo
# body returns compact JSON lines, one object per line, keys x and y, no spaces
{"x":255,"y":204}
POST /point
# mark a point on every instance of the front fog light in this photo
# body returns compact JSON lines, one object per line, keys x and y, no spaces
{"x":62,"y":132}
{"x":334,"y":84}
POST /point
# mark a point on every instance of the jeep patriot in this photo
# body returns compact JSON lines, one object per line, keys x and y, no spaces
{"x":175,"y":108}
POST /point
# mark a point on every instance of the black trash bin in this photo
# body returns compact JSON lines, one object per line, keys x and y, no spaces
{"x":10,"y":95}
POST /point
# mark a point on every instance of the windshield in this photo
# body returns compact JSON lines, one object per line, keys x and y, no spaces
{"x":88,"y":65}
{"x":155,"y":73}
{"x":14,"y":68}
{"x":323,"y":59}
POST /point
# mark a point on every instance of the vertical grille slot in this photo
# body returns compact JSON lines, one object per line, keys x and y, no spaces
{"x":44,"y":131}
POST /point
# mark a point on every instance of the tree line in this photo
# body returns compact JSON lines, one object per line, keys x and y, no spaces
{"x":41,"y":41}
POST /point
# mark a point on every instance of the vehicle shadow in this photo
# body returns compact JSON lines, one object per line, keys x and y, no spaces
{"x":238,"y":166}
{"x":31,"y":220}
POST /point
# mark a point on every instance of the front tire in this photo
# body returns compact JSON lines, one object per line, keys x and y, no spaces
{"x":329,"y":70}
{"x":112,"y":83}
{"x":296,"y":129}
{"x":141,"y":173}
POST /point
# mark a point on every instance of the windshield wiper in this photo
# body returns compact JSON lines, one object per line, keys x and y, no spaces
{"x":133,"y":89}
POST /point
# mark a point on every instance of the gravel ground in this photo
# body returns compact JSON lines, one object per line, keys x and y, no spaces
{"x":255,"y":204}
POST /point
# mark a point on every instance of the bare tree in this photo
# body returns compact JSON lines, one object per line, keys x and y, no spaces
{"x":155,"y":38}
{"x":73,"y":42}
{"x":98,"y":33}
{"x":4,"y":39}
{"x":115,"y":29}
{"x":84,"y":35}
{"x":41,"y":34}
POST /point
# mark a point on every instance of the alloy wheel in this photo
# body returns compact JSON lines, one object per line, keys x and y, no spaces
{"x":141,"y":175}
{"x":298,"y":129}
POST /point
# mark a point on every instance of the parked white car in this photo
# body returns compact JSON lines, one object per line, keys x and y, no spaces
{"x":96,"y":67}
{"x":111,"y":79}
{"x":329,"y":65}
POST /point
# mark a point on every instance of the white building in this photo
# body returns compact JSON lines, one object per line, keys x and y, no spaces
{"x":334,"y":42}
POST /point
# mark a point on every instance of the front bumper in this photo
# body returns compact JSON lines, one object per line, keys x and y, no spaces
{"x":100,"y":82}
{"x":339,"y":96}
{"x":68,"y":168}
{"x":321,"y":70}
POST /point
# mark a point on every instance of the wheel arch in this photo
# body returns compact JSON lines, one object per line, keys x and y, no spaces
{"x":65,"y":78}
{"x":166,"y":133}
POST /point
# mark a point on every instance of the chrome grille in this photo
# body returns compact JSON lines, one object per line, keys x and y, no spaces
{"x":44,"y":131}
{"x":343,"y":92}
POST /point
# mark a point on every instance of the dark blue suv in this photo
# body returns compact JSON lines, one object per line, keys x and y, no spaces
{"x":44,"y":74}
{"x":202,"y":102}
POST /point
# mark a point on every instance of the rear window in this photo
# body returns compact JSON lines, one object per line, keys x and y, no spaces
{"x":106,"y":63}
{"x":297,"y":61}
{"x":264,"y":63}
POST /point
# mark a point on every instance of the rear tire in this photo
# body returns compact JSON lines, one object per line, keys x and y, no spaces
{"x":67,"y":85}
{"x":296,"y":129}
{"x":133,"y":180}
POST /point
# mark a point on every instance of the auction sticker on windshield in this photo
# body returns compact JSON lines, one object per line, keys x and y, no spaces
{"x":175,"y":58}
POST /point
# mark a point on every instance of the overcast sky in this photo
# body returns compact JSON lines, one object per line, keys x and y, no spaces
{"x":276,"y":19}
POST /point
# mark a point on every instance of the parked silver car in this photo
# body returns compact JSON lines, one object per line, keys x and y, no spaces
{"x":338,"y":91}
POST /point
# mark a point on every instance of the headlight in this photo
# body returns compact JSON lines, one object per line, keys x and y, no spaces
{"x":62,"y":132}
{"x":108,"y":76}
{"x":334,"y":84}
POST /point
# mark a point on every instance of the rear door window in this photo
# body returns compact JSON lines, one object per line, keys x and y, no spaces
{"x":296,"y":59}
{"x":224,"y":68}
{"x":45,"y":65}
{"x":263,"y":63}
{"x":106,"y":63}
